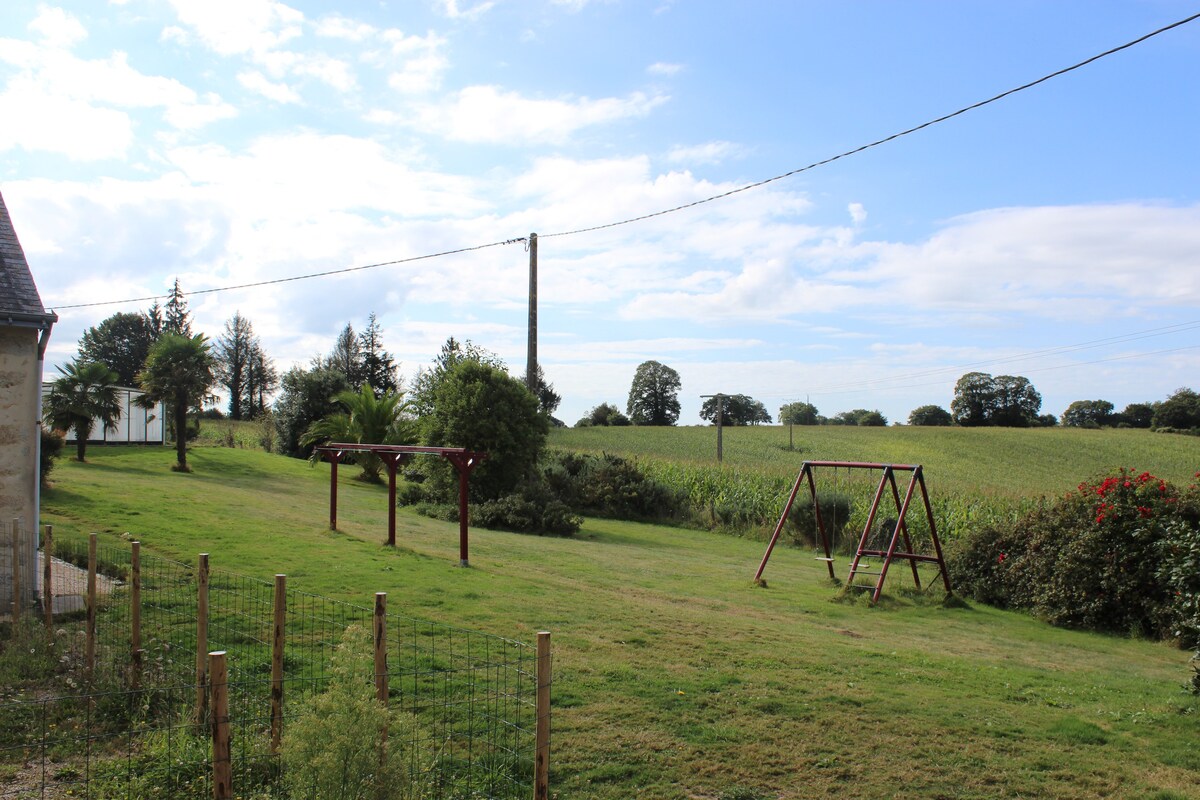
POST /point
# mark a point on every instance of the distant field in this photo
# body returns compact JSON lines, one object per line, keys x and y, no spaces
{"x":1008,"y":462}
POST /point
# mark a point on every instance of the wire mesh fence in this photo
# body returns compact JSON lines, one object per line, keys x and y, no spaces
{"x":308,"y":678}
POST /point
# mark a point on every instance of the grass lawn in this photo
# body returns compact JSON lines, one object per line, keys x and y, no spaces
{"x":674,"y":676}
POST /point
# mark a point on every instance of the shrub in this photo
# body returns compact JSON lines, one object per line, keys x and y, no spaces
{"x":835,"y":513}
{"x":610,"y":486}
{"x":1179,"y":570}
{"x":52,"y":446}
{"x":519,"y":513}
{"x":1090,"y":559}
{"x":336,"y":748}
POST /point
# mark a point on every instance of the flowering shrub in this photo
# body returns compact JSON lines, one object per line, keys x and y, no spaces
{"x":1092,"y":559}
{"x":1179,"y":570}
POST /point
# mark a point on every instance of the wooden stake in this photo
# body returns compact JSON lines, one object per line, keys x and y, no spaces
{"x":221,"y":761}
{"x":381,"y":670}
{"x":90,"y":652}
{"x":47,"y":581}
{"x":278,"y":639}
{"x":541,"y":764}
{"x":16,"y":573}
{"x":135,"y":613}
{"x":201,"y":637}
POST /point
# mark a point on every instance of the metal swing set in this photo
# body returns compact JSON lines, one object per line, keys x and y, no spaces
{"x":869,"y":547}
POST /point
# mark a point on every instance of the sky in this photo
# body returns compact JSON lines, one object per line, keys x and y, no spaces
{"x":1053,"y":234}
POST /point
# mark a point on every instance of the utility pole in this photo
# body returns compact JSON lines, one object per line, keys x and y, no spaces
{"x":720,"y":419}
{"x":531,"y":362}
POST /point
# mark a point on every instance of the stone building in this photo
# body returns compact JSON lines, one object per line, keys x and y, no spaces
{"x":24,"y":332}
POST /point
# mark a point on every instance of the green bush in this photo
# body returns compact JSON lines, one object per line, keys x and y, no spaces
{"x":610,"y":486}
{"x":520,"y":513}
{"x":345,"y":745}
{"x":52,"y":446}
{"x":1091,"y":559}
{"x":835,"y":514}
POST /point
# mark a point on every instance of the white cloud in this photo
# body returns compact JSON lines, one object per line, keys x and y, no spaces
{"x":704,"y":154}
{"x":451,"y":9}
{"x":1061,"y":262}
{"x":664,"y":69}
{"x":54,"y":83}
{"x":233,"y":27}
{"x":490,"y":114}
{"x":858,"y":213}
{"x":35,"y":120}
{"x":58,"y":28}
{"x":258,"y":83}
{"x":336,"y":26}
{"x":421,"y":61}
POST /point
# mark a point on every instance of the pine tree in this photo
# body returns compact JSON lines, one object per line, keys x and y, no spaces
{"x":378,"y":367}
{"x":177,"y":313}
{"x":233,"y":350}
{"x":262,"y":379}
{"x":346,"y":357}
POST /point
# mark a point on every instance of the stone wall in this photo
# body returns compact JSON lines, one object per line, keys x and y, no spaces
{"x":19,"y":382}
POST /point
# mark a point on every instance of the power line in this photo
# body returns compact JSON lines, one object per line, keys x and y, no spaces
{"x":324,"y":274}
{"x":685,"y":206}
{"x":886,"y":139}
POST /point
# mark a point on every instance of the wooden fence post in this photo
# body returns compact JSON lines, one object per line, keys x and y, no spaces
{"x":16,"y":573}
{"x":541,"y":764}
{"x":201,"y":637}
{"x":135,"y":613}
{"x":381,"y":671}
{"x":278,"y":640}
{"x":90,"y":648}
{"x":48,"y":582}
{"x":381,"y":674}
{"x":221,"y":762}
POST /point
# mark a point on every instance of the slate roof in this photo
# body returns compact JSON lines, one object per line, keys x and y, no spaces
{"x":18,"y":293}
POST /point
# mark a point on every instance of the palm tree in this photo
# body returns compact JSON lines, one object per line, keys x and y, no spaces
{"x":86,"y":392}
{"x":178,"y":370}
{"x":367,"y":420}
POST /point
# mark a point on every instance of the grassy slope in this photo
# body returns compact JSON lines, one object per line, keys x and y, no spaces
{"x":674,"y":677}
{"x":1005,"y":461}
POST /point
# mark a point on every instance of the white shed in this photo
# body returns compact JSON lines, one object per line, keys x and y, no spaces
{"x":136,"y":425}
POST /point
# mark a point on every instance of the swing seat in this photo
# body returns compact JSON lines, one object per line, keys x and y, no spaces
{"x":822,"y":558}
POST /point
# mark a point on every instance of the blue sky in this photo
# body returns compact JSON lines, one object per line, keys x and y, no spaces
{"x":1054,"y":234}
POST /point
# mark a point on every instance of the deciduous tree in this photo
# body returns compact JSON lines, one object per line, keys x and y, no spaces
{"x":931,"y":416}
{"x":482,"y":408}
{"x":605,"y":414}
{"x":737,"y":409}
{"x":1181,"y":410}
{"x":121,"y":342}
{"x":799,"y":414}
{"x":1088,"y":414}
{"x":307,"y":396}
{"x":654,"y":395}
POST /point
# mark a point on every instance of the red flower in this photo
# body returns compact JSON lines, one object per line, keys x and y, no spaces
{"x":1000,"y":560}
{"x":1144,"y":512}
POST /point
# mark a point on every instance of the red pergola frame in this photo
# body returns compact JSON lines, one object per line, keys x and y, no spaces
{"x":888,"y":478}
{"x":393,"y":455}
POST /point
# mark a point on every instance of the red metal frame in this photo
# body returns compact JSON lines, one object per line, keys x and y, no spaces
{"x":899,"y":530}
{"x":393,"y":455}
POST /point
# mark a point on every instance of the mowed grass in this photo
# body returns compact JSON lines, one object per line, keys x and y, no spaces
{"x":674,"y":676}
{"x":1010,"y":462}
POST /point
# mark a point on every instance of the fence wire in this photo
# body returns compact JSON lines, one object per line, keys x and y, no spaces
{"x":461,"y":705}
